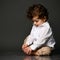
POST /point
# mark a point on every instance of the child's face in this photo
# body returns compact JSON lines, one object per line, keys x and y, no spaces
{"x":37,"y":21}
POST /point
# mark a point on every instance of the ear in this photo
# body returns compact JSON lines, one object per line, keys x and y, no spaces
{"x":44,"y":18}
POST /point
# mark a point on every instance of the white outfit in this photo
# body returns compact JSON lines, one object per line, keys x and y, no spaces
{"x":41,"y":35}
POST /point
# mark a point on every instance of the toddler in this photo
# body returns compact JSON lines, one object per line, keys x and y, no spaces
{"x":40,"y":41}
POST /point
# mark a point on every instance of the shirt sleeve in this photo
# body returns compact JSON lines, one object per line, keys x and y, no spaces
{"x":43,"y":36}
{"x":30,"y":37}
{"x":29,"y":40}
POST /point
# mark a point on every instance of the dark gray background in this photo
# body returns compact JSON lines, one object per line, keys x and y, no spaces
{"x":14,"y":25}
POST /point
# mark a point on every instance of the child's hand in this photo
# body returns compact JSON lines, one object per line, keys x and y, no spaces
{"x":24,"y":46}
{"x":28,"y":50}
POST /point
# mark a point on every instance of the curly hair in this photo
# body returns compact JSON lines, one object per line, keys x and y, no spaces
{"x":37,"y":10}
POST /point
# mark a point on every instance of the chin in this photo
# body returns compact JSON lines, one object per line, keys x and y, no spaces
{"x":36,"y":25}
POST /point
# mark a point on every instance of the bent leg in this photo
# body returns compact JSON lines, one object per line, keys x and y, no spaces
{"x":42,"y":51}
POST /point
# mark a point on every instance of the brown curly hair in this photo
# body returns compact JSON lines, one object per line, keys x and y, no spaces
{"x":37,"y":10}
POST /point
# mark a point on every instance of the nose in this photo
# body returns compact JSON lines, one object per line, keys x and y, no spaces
{"x":34,"y":23}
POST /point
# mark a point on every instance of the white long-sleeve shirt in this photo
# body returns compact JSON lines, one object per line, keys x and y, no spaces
{"x":41,"y":35}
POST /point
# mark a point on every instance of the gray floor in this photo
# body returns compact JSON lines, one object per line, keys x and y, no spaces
{"x":19,"y":56}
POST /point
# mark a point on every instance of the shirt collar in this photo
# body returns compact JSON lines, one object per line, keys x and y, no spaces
{"x":43,"y":23}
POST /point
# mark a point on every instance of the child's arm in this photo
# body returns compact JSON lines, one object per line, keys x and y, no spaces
{"x":25,"y":46}
{"x":30,"y":38}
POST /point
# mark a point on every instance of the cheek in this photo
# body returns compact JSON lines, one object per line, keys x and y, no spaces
{"x":38,"y":23}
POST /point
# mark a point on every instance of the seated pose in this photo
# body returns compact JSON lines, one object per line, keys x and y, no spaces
{"x":40,"y":41}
